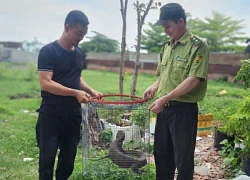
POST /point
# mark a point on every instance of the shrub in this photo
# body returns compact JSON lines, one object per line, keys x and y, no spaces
{"x":244,"y":73}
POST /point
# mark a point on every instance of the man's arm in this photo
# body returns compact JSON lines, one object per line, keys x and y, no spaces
{"x":150,"y":91}
{"x":187,"y":85}
{"x":47,"y":84}
{"x":156,"y":84}
{"x":85,"y":87}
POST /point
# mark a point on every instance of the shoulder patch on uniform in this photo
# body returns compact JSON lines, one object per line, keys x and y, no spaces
{"x":195,"y":40}
{"x":199,"y":57}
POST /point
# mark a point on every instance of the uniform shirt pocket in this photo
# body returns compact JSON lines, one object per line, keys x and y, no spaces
{"x":180,"y":68}
{"x":164,"y":63}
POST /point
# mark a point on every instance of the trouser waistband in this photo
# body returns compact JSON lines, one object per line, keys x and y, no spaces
{"x":178,"y":103}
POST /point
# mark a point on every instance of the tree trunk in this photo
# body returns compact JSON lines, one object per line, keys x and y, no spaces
{"x":123,"y":45}
{"x":140,"y":22}
{"x":137,"y":61}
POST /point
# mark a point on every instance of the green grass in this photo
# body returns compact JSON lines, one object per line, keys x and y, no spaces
{"x":222,"y":105}
{"x":17,"y":125}
{"x":108,"y":82}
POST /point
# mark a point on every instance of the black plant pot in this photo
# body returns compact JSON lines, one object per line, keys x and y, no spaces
{"x":219,"y":137}
{"x":246,"y":166}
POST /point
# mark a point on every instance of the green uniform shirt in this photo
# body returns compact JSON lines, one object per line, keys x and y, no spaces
{"x":188,"y":57}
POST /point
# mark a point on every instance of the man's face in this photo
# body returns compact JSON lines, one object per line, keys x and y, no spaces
{"x":76,"y":33}
{"x":173,"y":29}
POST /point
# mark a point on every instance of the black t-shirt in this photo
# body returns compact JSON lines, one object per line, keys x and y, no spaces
{"x":66,"y":67}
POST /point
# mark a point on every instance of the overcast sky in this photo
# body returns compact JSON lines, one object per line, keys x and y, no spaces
{"x":25,"y":19}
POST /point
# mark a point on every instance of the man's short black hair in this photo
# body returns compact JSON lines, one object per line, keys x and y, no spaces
{"x":76,"y":17}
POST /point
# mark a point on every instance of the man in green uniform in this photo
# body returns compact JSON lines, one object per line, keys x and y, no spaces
{"x":181,"y":84}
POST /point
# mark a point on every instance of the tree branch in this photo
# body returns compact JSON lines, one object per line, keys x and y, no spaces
{"x":122,"y":9}
{"x":146,"y":11}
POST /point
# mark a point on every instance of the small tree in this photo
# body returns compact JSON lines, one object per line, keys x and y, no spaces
{"x":153,"y":38}
{"x":100,"y":43}
{"x":222,"y":33}
{"x":123,"y":44}
{"x":142,"y":11}
{"x":32,"y":46}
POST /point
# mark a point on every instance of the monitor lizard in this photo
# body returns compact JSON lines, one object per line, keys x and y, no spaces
{"x":122,"y":158}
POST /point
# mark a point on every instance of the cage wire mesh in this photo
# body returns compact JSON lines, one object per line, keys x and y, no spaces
{"x":115,"y":140}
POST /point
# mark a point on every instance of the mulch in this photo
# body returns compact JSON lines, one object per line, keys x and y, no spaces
{"x":208,"y":156}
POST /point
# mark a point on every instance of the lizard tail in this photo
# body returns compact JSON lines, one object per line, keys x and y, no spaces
{"x":99,"y":158}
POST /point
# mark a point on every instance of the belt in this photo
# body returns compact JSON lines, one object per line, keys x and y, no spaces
{"x":178,"y":103}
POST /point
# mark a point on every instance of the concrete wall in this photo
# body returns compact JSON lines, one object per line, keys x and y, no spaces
{"x":225,"y":65}
{"x":221,"y":65}
{"x":23,"y":57}
{"x":17,"y":56}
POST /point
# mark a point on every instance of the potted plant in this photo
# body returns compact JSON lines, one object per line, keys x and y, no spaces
{"x":220,"y":134}
{"x":223,"y":132}
{"x":220,"y":131}
{"x":239,"y":124}
{"x":245,"y":157}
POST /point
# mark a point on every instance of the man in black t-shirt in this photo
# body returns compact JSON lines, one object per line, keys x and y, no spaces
{"x":60,"y":64}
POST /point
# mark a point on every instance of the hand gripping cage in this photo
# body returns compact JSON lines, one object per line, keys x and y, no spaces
{"x":115,"y":137}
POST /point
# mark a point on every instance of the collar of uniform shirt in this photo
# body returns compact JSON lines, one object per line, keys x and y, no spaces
{"x":184,"y":38}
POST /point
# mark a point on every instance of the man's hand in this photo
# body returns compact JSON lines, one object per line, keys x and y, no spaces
{"x":96,"y":94}
{"x":158,"y":105}
{"x":149,"y":93}
{"x":82,"y":97}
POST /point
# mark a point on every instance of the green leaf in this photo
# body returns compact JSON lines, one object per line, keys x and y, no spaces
{"x":228,"y":161}
{"x":224,"y":142}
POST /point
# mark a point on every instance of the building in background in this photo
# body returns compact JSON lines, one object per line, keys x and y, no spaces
{"x":20,"y":52}
{"x":9,"y":44}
